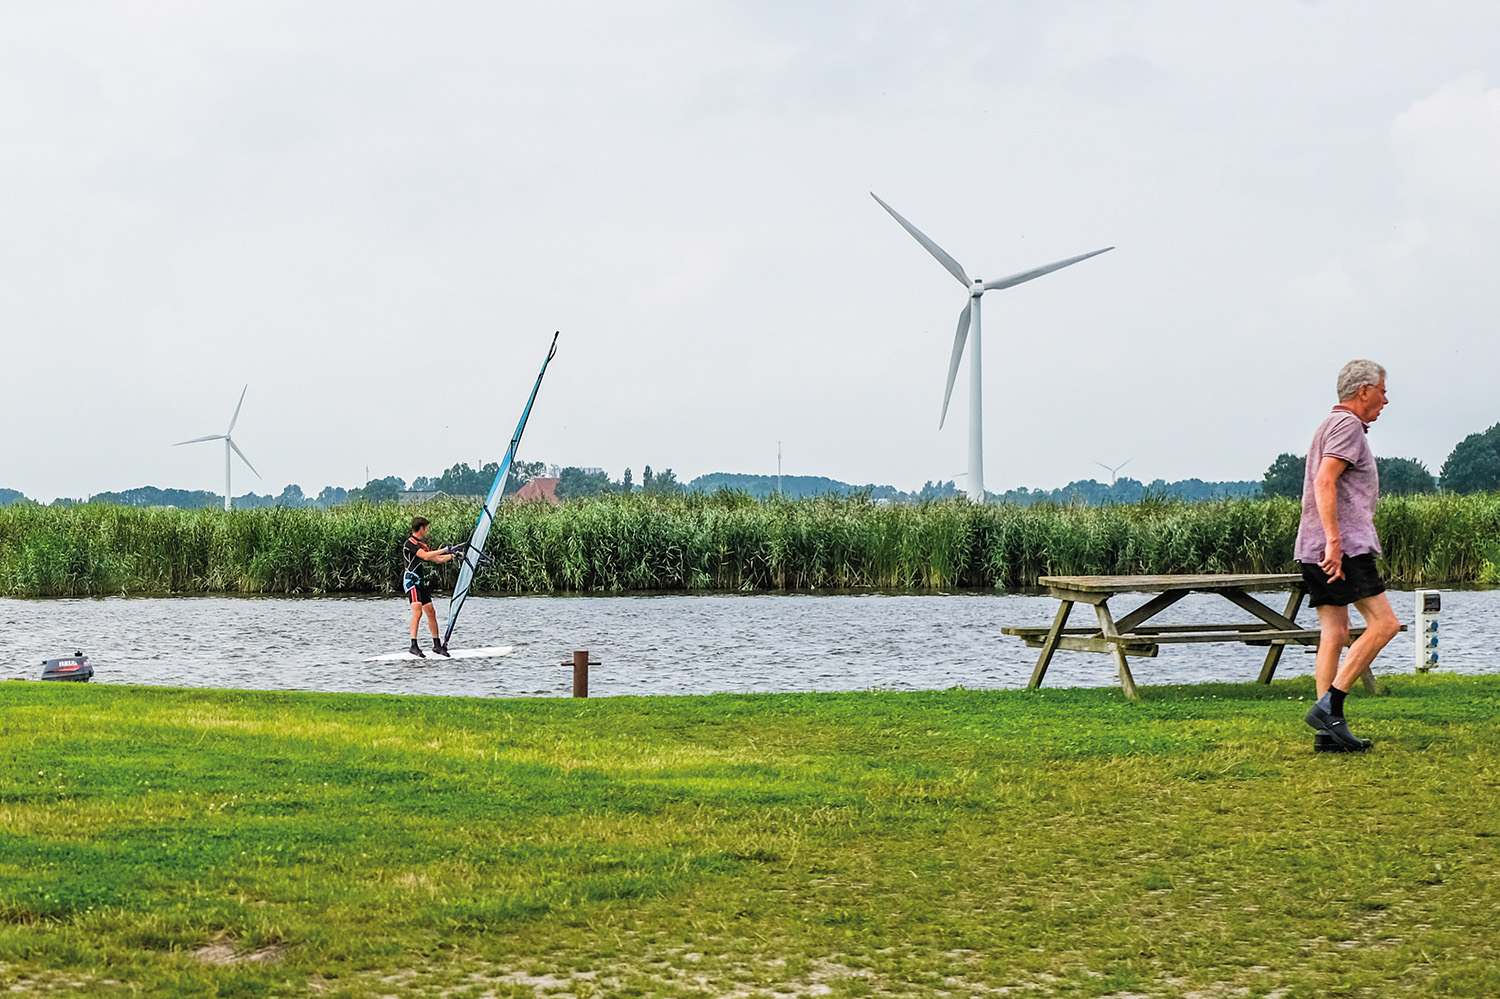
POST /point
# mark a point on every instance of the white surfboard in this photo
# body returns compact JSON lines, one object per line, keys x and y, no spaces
{"x":491,"y":652}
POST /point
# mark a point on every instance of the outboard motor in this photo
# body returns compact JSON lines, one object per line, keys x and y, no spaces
{"x":74,"y":667}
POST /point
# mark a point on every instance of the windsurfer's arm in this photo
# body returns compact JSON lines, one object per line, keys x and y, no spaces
{"x":435,"y":555}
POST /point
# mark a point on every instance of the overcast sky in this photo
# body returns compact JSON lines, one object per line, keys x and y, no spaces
{"x":375,"y":214}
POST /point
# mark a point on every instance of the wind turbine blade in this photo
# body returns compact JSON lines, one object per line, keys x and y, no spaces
{"x":932,"y":248}
{"x":199,"y":440}
{"x":1036,"y":272}
{"x":958,"y":352}
{"x":242,"y":456}
{"x":235,"y":419}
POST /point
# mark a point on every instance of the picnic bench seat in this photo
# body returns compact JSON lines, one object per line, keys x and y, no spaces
{"x":1131,"y":635}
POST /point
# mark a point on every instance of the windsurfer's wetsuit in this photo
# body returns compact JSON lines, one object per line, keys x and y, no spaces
{"x":414,"y":579}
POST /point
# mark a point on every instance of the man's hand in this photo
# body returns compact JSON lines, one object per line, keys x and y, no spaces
{"x":1332,"y":563}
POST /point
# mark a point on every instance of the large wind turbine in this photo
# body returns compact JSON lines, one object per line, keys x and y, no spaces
{"x":969,"y":319}
{"x":229,"y":445}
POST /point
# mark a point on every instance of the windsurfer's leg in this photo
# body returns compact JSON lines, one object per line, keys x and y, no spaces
{"x":431,"y":622}
{"x":416,"y":615}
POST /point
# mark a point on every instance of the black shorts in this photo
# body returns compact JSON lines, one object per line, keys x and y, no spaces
{"x":1361,"y":580}
{"x":421,"y":594}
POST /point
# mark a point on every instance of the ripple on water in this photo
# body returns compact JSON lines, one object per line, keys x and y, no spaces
{"x":658,"y":644}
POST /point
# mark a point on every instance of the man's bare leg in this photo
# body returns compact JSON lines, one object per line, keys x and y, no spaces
{"x":1334,"y":678}
{"x":1334,"y":624}
{"x":432,"y":625}
{"x":1381,"y":626}
{"x":416,"y":617}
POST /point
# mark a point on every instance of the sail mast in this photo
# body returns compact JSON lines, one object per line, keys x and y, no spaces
{"x":475,"y":550}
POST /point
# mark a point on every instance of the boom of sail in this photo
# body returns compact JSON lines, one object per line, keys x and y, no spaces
{"x":474,"y":551}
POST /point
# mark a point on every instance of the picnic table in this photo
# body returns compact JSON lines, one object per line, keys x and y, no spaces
{"x":1132,"y":635}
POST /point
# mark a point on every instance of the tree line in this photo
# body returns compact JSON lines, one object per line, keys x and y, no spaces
{"x":1473,"y":466}
{"x":573,"y":482}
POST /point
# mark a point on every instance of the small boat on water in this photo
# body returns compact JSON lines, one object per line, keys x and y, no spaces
{"x":74,"y":667}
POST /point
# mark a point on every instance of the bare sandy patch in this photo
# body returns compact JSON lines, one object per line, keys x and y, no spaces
{"x":224,"y":952}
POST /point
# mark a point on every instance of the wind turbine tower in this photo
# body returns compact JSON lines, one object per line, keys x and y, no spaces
{"x":229,"y":445}
{"x":968,"y":320}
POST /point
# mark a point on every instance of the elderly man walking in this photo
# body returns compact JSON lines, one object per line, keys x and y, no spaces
{"x":1336,"y":545}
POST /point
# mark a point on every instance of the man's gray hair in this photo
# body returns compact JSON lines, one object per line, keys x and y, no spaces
{"x":1356,"y":375}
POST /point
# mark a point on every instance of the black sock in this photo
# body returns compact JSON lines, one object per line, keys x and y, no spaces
{"x":1336,"y":700}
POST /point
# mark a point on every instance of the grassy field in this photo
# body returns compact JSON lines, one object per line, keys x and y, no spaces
{"x":959,"y":843}
{"x":725,"y":541}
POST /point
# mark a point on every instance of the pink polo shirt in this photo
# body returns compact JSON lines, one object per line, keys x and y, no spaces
{"x":1341,"y":435}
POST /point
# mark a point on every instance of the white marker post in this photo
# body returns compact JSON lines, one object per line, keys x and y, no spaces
{"x":1429,"y":604}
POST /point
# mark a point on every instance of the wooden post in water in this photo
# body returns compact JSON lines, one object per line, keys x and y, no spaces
{"x":581,"y":666}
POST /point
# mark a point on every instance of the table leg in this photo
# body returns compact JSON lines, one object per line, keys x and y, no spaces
{"x":1273,"y":654}
{"x":1050,"y":645}
{"x":1107,"y":626}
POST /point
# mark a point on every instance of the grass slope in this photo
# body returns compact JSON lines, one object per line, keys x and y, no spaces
{"x":1055,"y":843}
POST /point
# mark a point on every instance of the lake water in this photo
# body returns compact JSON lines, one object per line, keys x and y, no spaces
{"x":665,"y":644}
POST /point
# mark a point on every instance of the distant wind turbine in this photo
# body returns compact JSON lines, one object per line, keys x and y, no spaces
{"x":969,"y":318}
{"x":229,"y":445}
{"x":1115,"y":470}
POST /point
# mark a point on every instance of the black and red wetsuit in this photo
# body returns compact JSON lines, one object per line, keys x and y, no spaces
{"x":414,"y":579}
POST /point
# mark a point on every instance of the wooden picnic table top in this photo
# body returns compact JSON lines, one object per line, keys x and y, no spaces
{"x":1161,"y":584}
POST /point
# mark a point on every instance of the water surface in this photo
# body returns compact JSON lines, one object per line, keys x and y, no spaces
{"x":665,"y":644}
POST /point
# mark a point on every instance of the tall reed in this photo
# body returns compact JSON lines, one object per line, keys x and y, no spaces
{"x":724,"y":541}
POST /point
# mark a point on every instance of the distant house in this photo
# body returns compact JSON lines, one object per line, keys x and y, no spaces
{"x":543,"y":489}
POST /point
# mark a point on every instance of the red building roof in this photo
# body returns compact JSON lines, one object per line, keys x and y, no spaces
{"x":544,"y":490}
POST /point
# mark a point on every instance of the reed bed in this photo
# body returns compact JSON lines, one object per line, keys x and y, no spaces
{"x":724,"y":541}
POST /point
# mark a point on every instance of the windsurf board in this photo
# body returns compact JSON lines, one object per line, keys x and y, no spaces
{"x":491,"y":652}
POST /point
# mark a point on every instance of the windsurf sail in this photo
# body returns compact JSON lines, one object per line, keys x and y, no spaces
{"x":474,"y":550}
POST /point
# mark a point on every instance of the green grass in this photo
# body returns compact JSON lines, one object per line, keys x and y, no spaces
{"x":724,"y":541}
{"x":1059,"y":842}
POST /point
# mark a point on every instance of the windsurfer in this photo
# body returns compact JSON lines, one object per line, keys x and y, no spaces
{"x":414,"y":582}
